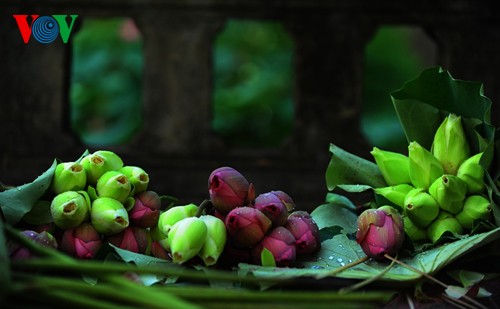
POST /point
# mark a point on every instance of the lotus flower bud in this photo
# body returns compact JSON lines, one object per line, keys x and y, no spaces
{"x":146,"y":209}
{"x":395,"y":167}
{"x":82,"y":241}
{"x":132,"y":238}
{"x":175,"y":214}
{"x":273,"y":207}
{"x":158,"y":251}
{"x":395,"y":194}
{"x":69,"y":176}
{"x":69,"y":209}
{"x":285,"y":199}
{"x":137,"y":176}
{"x":450,"y":145}
{"x":475,"y":207}
{"x":472,"y":173}
{"x":186,"y":238}
{"x":416,"y":234}
{"x":445,"y":222}
{"x":229,"y":189}
{"x":215,"y":242}
{"x":281,"y":243}
{"x":424,"y":167}
{"x":305,"y":231}
{"x":100,"y":162}
{"x":380,"y":232}
{"x":246,"y":226}
{"x":115,"y":185}
{"x":421,"y":207}
{"x":449,"y":192}
{"x":108,"y":216}
{"x":18,"y":252}
{"x":158,"y":237}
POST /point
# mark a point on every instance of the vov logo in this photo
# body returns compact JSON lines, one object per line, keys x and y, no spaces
{"x":45,"y":29}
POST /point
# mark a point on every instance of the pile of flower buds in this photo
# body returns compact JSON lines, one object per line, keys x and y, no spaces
{"x":439,"y":190}
{"x":99,"y":199}
{"x":254,"y":223}
{"x":183,"y":233}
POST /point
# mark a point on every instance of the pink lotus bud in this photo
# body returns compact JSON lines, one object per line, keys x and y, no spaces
{"x":229,"y":189}
{"x":146,"y":209}
{"x":281,"y":243}
{"x":380,"y":232}
{"x":286,"y":199}
{"x":158,"y":251}
{"x":18,"y":252}
{"x":246,"y":226}
{"x":132,"y":238}
{"x":273,"y":207}
{"x":305,"y":231}
{"x":83,"y":241}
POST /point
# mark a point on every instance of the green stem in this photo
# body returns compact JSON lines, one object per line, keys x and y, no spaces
{"x":248,"y":296}
{"x":98,"y":268}
{"x":202,"y":207}
{"x":72,"y":298}
{"x":155,"y":299}
{"x":115,"y":288}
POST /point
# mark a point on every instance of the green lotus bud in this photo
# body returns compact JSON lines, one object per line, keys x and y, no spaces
{"x":69,"y":209}
{"x":421,"y":207}
{"x":444,"y":223}
{"x":424,"y":167}
{"x":100,"y":162}
{"x":137,"y":176}
{"x":68,"y":176}
{"x":416,"y":233}
{"x":115,"y":185}
{"x":450,"y":145}
{"x":215,"y":241}
{"x":175,"y":214}
{"x":396,"y":194}
{"x":449,"y":192}
{"x":108,"y":216}
{"x":393,"y":166}
{"x":472,"y":173}
{"x":475,"y":207}
{"x":186,"y":238}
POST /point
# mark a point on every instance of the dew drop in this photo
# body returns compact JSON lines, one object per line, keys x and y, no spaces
{"x":342,"y":264}
{"x":331,"y":257}
{"x":340,"y":260}
{"x":317,"y":267}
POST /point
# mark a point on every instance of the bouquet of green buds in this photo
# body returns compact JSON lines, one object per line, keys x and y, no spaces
{"x":438,"y":190}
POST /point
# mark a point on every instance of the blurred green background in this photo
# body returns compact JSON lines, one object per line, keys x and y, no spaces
{"x":253,"y":81}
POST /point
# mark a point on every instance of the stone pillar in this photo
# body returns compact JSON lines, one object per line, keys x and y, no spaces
{"x":177,"y":82}
{"x":329,"y":57}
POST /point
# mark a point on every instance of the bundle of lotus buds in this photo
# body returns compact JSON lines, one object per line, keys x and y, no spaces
{"x":437,"y":190}
{"x":97,"y":200}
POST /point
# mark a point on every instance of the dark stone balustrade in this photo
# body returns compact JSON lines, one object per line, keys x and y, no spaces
{"x":176,"y":144}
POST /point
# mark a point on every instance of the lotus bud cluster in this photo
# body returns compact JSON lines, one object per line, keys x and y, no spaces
{"x":440,"y":191}
{"x":257,"y":222}
{"x":181,"y":236}
{"x":98,"y":200}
